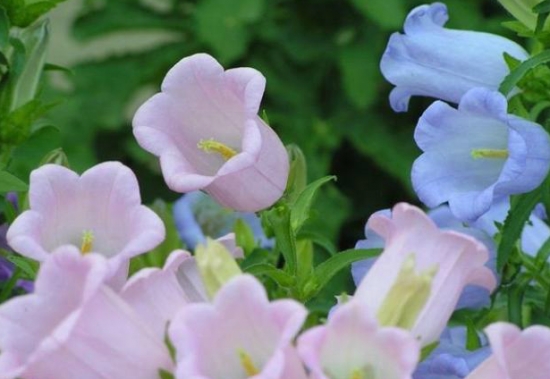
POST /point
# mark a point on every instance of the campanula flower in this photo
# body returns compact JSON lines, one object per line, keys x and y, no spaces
{"x":451,"y":359}
{"x":239,"y":335}
{"x":353,"y":345}
{"x":477,"y":154}
{"x":74,"y":326}
{"x":472,"y":296}
{"x":417,"y":280}
{"x":517,"y":354}
{"x":198,"y":216}
{"x":429,"y":60}
{"x":99,"y":211}
{"x":204,"y":126}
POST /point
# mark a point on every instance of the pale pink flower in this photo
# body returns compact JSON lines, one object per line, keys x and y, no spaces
{"x":205,"y":128}
{"x":99,"y":211}
{"x":240,"y":335}
{"x":516,"y":354}
{"x":73,"y":326}
{"x":157,"y":294}
{"x":353,"y":345}
{"x":446,"y":261}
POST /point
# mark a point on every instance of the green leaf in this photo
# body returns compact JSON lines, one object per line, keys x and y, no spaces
{"x":300,"y":210}
{"x":326,"y":270}
{"x":297,"y":176}
{"x":542,"y":7}
{"x":512,"y":79}
{"x":542,"y":255}
{"x":29,"y":268}
{"x":279,"y":276}
{"x":22,"y":14}
{"x":519,"y":213}
{"x":9,"y":182}
{"x":388,"y":14}
{"x":319,"y":239}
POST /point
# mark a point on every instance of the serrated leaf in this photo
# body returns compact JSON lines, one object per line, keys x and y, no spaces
{"x":9,"y":182}
{"x":512,"y":79}
{"x":326,"y":270}
{"x":518,"y":215}
{"x":22,"y":14}
{"x":17,"y":126}
{"x":388,"y":14}
{"x":299,"y":212}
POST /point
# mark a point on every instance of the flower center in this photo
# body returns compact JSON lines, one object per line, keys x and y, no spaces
{"x":248,"y":366}
{"x":87,"y":241}
{"x":362,"y":373}
{"x":407,"y":297}
{"x":212,"y":146}
{"x":489,"y":153}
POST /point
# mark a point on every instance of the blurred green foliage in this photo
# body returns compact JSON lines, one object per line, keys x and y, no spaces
{"x":324,"y":91}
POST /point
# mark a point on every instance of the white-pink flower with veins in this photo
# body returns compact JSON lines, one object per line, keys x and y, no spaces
{"x":204,"y":126}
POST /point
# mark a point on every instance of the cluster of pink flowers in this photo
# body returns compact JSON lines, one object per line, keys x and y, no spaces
{"x":87,"y":320}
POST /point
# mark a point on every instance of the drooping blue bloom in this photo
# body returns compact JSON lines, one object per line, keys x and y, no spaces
{"x":429,"y":60}
{"x":473,"y":297}
{"x":451,"y":359}
{"x":477,"y":154}
{"x":198,"y":216}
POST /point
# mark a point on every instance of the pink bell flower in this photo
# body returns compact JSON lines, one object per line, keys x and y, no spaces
{"x":157,"y":294}
{"x":99,"y":211}
{"x":238,"y":336}
{"x":516,"y":354}
{"x":74,"y":326}
{"x":417,"y":280}
{"x":205,"y":128}
{"x":353,"y":345}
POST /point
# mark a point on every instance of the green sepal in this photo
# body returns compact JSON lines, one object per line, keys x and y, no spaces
{"x":244,"y":237}
{"x":473,"y":342}
{"x":163,"y":374}
{"x":427,"y":350}
{"x":512,"y":79}
{"x":279,"y":218}
{"x":297,"y":176}
{"x":278,"y":275}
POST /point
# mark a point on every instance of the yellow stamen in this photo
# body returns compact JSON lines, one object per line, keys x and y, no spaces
{"x":212,"y":146}
{"x":407,"y":297}
{"x":357,"y":374}
{"x":249,"y":367}
{"x":489,"y":153}
{"x":362,"y":373}
{"x":87,"y":241}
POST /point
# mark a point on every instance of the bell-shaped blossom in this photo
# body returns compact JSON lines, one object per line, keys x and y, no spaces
{"x":239,"y":335}
{"x":353,"y":345}
{"x":99,"y":211}
{"x":429,"y":60}
{"x":157,"y":294}
{"x":516,"y":354}
{"x":73,"y":326}
{"x":477,"y":154}
{"x":522,"y":10}
{"x":198,"y":216}
{"x":418,"y":278}
{"x":451,"y":359}
{"x":204,"y":126}
{"x":473,"y":296}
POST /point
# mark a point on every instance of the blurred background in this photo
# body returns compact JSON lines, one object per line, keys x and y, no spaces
{"x":324,"y":90}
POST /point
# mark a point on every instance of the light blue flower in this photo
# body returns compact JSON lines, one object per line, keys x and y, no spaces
{"x":429,"y":60}
{"x":477,"y":154}
{"x":451,"y":359}
{"x":198,"y":216}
